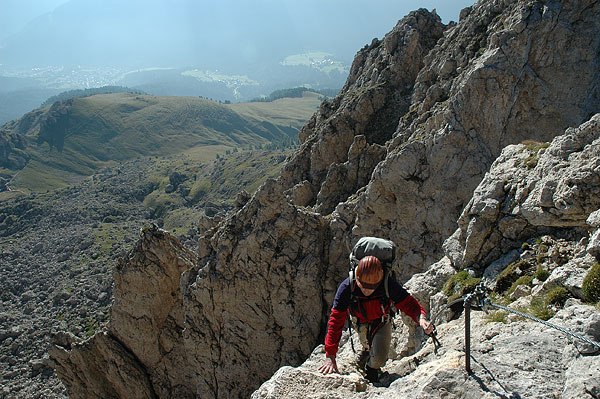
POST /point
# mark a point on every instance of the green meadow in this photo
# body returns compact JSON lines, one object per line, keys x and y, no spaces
{"x":83,"y":135}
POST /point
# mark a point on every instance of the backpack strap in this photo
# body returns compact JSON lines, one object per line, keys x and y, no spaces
{"x":386,"y":284}
{"x":355,"y":300}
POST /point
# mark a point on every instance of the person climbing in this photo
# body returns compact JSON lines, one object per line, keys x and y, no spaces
{"x":365,"y":298}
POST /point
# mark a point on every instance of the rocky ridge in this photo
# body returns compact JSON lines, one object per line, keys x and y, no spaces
{"x":259,"y":295}
{"x":513,"y":357}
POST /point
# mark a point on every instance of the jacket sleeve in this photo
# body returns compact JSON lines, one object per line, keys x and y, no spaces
{"x":407,"y":303}
{"x":337,"y":318}
{"x":334,"y":331}
{"x":411,"y":307}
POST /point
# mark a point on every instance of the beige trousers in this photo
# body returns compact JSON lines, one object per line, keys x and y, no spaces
{"x":380,"y":347}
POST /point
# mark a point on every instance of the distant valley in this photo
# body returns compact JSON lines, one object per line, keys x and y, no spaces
{"x":68,"y":140}
{"x":23,"y":89}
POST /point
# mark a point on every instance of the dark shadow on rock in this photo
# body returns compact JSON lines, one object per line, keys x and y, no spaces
{"x":386,"y":379}
{"x":485,"y":388}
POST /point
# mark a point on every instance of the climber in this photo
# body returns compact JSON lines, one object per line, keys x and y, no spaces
{"x":366,"y":300}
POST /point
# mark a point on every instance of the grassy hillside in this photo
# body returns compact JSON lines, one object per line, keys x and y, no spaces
{"x":181,"y":188}
{"x":78,"y":137}
{"x":279,"y":112}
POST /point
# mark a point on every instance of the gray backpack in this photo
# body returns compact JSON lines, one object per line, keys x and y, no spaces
{"x":382,"y":249}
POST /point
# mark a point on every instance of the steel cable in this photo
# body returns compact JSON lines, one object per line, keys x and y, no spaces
{"x":525,"y":315}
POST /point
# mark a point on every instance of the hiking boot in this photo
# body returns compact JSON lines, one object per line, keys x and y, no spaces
{"x":372,"y":374}
{"x":361,"y":359}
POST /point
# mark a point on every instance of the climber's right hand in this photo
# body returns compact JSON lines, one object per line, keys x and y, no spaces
{"x":329,"y":366}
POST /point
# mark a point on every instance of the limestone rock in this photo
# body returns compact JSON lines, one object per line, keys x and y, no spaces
{"x":142,"y":349}
{"x":582,"y":320}
{"x":285,"y":381}
{"x":100,"y":368}
{"x":375,"y":96}
{"x":570,"y":276}
{"x":519,"y":292}
{"x":594,"y":219}
{"x":147,"y":314}
{"x":505,"y":89}
{"x":594,"y":244}
{"x":342,"y":179}
{"x":303,"y":193}
{"x":521,"y":359}
{"x":258,"y":295}
{"x":559,"y":191}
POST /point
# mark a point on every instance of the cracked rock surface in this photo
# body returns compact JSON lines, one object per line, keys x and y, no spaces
{"x":519,"y":360}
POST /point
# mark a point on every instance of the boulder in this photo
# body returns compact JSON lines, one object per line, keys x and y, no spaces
{"x":558,"y":192}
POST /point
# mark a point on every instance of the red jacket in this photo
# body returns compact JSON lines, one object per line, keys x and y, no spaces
{"x":369,"y":308}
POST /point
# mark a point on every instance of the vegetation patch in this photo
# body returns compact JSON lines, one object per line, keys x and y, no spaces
{"x":540,"y":309}
{"x":543,"y":306}
{"x":38,"y":176}
{"x":523,"y":280}
{"x":296,"y":92}
{"x":91,"y":326}
{"x":107,"y":235}
{"x":180,"y":220}
{"x":200,"y":189}
{"x":498,"y":316}
{"x":160,"y":202}
{"x":542,"y":252}
{"x":81,"y":93}
{"x":511,"y":274}
{"x":542,"y":274}
{"x":535,"y":148}
{"x":557,"y":296}
{"x":459,"y":285}
{"x":591,"y":285}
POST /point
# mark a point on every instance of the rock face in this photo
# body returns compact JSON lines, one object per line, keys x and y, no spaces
{"x":376,"y":95}
{"x":530,"y":189}
{"x":513,"y":358}
{"x":143,"y":344}
{"x":519,"y":360}
{"x":422,"y":117}
{"x":252,"y":308}
{"x":492,"y":81}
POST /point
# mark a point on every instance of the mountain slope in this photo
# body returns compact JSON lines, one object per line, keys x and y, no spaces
{"x":58,"y":249}
{"x":75,"y":138}
{"x":519,"y":233}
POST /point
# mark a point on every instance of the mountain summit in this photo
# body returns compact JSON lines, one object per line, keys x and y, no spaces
{"x":427,"y":131}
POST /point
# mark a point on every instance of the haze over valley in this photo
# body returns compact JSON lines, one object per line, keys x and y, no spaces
{"x":228,"y":50}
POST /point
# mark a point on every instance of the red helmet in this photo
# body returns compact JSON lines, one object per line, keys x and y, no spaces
{"x":369,"y":271}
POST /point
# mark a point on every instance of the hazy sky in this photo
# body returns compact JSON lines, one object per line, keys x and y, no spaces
{"x":213,"y":33}
{"x":147,"y":44}
{"x":15,"y":14}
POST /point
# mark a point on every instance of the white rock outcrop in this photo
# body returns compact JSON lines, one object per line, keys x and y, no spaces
{"x":529,"y":189}
{"x":516,"y":360}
